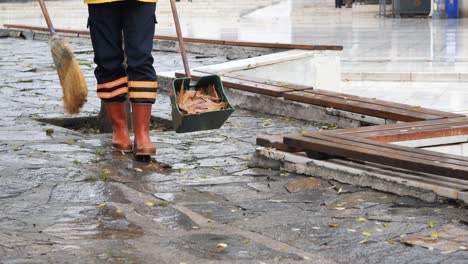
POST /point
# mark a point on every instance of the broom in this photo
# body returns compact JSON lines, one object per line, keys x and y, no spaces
{"x":71,"y":77}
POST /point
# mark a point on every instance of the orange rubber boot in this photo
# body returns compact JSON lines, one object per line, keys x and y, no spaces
{"x":141,"y":114}
{"x":118,"y":117}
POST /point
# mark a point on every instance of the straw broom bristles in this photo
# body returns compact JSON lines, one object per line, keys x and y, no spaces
{"x":71,"y":77}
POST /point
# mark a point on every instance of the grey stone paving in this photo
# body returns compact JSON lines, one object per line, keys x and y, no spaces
{"x":65,"y":197}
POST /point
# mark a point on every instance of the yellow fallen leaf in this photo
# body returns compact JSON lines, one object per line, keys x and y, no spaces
{"x":307,"y":258}
{"x":448,"y":251}
{"x":220,"y":247}
{"x":149,"y":203}
{"x":378,"y":230}
{"x":403,"y":235}
{"x":431,"y":224}
{"x":391,"y":242}
{"x":246,"y":241}
{"x":366,"y":233}
{"x":119,"y":211}
{"x":267,"y":122}
{"x":18,"y":148}
{"x":435,"y":235}
{"x":101,"y":205}
{"x":386,"y":225}
{"x":138,"y":170}
{"x":362,"y":219}
{"x":340,"y":208}
{"x":278,"y":258}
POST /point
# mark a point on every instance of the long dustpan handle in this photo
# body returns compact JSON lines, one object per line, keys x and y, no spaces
{"x":183,"y":52}
{"x":47,"y":17}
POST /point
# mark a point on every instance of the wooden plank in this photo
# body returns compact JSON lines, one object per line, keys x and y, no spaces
{"x":376,"y":156}
{"x":387,"y":103}
{"x":392,"y":149}
{"x":427,"y":123}
{"x":358,"y":107}
{"x":397,"y":135}
{"x":200,"y":40}
{"x":295,"y":87}
{"x":246,"y":85}
{"x":275,"y":141}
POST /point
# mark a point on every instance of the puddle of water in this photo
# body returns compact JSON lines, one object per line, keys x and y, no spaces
{"x":120,"y":230}
{"x":114,"y":225}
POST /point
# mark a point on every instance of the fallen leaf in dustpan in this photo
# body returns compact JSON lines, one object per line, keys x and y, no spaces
{"x":200,"y":101}
{"x":448,"y":238}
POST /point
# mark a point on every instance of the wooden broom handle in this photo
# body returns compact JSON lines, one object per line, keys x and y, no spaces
{"x":181,"y":39}
{"x":47,"y":17}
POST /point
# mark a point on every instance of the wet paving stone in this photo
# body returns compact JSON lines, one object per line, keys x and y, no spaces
{"x":174,"y":219}
{"x":77,"y":192}
{"x":362,"y":200}
{"x":205,"y":246}
{"x":66,"y":197}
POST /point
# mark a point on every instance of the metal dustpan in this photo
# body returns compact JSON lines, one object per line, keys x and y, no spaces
{"x":184,"y":123}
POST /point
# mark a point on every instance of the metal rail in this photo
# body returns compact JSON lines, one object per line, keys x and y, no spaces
{"x":198,"y":40}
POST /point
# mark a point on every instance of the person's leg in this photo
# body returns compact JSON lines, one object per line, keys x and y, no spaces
{"x":138,"y":26}
{"x":105,"y":23}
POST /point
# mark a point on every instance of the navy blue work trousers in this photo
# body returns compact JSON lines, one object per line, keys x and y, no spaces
{"x":122,"y":36}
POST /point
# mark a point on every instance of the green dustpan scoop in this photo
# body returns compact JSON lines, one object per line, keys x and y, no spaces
{"x":184,"y":123}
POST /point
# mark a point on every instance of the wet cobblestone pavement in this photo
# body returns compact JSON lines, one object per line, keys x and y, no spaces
{"x":65,"y":197}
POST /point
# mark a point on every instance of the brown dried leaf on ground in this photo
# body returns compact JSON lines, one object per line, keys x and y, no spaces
{"x":303,"y":185}
{"x":200,"y":101}
{"x":449,"y":238}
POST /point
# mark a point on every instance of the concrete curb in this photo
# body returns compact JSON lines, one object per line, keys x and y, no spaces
{"x":427,"y":187}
